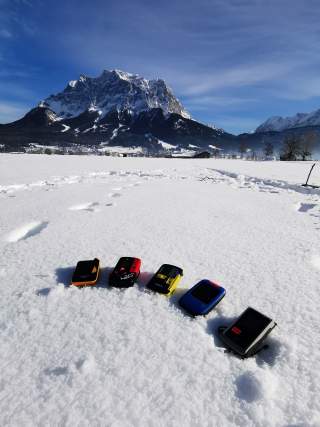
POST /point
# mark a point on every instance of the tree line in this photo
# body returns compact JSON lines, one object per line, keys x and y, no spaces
{"x":298,"y":147}
{"x":294,"y":147}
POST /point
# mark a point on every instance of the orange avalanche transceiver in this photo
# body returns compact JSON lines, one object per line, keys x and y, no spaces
{"x":86,"y":273}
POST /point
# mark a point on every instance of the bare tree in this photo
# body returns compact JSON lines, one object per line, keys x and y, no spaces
{"x":268,"y":149}
{"x":253,"y":155}
{"x":215,"y":153}
{"x":291,"y":148}
{"x":242,"y":148}
{"x":308,"y":142}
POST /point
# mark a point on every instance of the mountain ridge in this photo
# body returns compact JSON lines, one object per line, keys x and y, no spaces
{"x":114,"y":89}
{"x":279,"y":123}
{"x":115,"y":108}
{"x":123,"y":109}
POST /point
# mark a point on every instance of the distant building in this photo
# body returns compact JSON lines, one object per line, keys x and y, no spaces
{"x":202,"y":155}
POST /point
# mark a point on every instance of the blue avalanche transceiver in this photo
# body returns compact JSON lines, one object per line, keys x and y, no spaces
{"x":202,"y":298}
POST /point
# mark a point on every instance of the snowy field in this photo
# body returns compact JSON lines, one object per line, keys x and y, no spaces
{"x":108,"y":357}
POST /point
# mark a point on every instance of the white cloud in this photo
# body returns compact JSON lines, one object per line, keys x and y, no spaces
{"x":238,"y":76}
{"x":205,"y":101}
{"x":6,"y":34}
{"x":299,"y":88}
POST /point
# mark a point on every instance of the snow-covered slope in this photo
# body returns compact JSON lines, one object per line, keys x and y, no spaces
{"x":109,"y":357}
{"x":113,"y":90}
{"x":278,"y":123}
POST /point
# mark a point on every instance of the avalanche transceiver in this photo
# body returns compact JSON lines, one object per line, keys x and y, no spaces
{"x":86,"y":273}
{"x":202,"y":297}
{"x":125,"y":273}
{"x":245,"y":336}
{"x":166,"y":279}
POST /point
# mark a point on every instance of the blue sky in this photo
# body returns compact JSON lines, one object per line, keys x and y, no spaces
{"x":232,"y":63}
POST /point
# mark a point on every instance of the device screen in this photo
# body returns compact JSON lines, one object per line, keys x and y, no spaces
{"x":167,"y":270}
{"x":85,"y":270}
{"x":205,"y":292}
{"x":124,"y":264}
{"x":248,"y":327}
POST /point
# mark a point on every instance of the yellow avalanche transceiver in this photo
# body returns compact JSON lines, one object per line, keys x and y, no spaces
{"x":166,"y":279}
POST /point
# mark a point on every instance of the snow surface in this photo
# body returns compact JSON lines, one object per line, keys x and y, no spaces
{"x":120,"y":150}
{"x":215,"y":148}
{"x":65,"y":128}
{"x":167,"y":146}
{"x":115,"y":132}
{"x":107,"y":357}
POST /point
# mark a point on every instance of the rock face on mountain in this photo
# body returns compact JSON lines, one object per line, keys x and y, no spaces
{"x":116,"y":109}
{"x":35,"y":119}
{"x":280,"y":124}
{"x":114,"y":90}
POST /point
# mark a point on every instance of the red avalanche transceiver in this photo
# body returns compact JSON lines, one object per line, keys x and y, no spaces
{"x":125,"y":273}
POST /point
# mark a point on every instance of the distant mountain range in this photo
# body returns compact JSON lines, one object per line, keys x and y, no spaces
{"x":300,"y":120}
{"x":119,"y":109}
{"x":114,"y":109}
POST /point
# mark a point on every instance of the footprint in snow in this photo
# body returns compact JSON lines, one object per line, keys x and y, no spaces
{"x":111,"y":204}
{"x":90,"y":207}
{"x":305,"y":207}
{"x":54,"y":292}
{"x":253,"y":386}
{"x":74,"y":179}
{"x":25,"y":231}
{"x":248,"y":387}
{"x":41,"y":276}
{"x":56,"y":372}
{"x":114,"y":194}
{"x":43,"y":292}
{"x":86,"y":365}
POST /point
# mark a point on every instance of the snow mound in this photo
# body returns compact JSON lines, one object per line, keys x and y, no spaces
{"x":25,"y":231}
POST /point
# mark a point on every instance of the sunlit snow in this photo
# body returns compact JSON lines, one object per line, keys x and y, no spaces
{"x":107,"y":357}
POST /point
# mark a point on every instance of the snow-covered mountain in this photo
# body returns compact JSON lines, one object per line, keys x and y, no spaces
{"x":278,"y":123}
{"x":114,"y":109}
{"x":119,"y":109}
{"x":114,"y":90}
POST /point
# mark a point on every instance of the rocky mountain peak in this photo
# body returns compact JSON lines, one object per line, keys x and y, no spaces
{"x":114,"y":90}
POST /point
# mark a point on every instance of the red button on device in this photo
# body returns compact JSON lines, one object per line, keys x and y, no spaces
{"x":236,"y":330}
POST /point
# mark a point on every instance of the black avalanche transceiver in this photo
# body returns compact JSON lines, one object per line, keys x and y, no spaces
{"x":245,"y":336}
